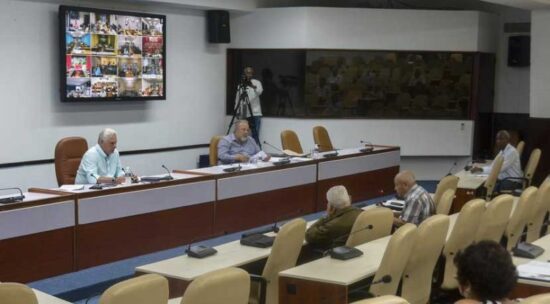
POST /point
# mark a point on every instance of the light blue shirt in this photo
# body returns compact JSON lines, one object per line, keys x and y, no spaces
{"x":229,"y":146}
{"x":511,"y":167}
{"x":96,"y":163}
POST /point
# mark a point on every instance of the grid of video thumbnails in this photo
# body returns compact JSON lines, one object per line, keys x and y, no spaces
{"x":110,"y":55}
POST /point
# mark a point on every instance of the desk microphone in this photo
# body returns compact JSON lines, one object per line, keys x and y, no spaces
{"x":346,"y":252}
{"x":367,"y":149}
{"x":274,"y":147}
{"x":450,"y":172}
{"x":12,"y":199}
{"x":169,"y":177}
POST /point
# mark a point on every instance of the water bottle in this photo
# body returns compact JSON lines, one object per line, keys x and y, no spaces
{"x":315,"y":152}
{"x":128,"y":175}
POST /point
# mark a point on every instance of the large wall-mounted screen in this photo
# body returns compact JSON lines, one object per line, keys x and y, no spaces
{"x":111,"y":55}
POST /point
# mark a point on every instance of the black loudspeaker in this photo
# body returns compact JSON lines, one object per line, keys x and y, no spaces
{"x":218,"y":26}
{"x":519,"y":51}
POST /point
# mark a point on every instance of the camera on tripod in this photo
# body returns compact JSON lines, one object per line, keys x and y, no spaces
{"x":245,"y":81}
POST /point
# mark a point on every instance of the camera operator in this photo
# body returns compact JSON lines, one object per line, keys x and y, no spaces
{"x":253,"y":89}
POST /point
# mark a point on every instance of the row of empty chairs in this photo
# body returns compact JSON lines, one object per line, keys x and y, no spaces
{"x":290,"y":140}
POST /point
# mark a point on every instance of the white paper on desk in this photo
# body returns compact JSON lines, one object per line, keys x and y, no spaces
{"x":299,"y":159}
{"x":535,"y":270}
{"x":71,"y":188}
{"x":482,"y":175}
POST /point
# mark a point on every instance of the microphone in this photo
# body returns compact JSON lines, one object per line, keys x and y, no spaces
{"x":274,"y":147}
{"x":12,"y":199}
{"x":367,"y":149}
{"x":368,"y":227}
{"x":236,"y":168}
{"x":199,"y":251}
{"x":346,"y":252}
{"x":451,"y":169}
{"x":169,"y":177}
{"x":385,"y":279}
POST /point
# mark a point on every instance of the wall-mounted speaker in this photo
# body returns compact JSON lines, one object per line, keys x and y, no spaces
{"x":218,"y":26}
{"x":519,"y":51}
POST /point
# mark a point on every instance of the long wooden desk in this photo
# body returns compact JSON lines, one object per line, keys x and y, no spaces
{"x":469,"y":187}
{"x":36,"y":237}
{"x":529,"y":287}
{"x":44,"y":298}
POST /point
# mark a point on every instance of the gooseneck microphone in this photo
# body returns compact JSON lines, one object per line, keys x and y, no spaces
{"x":169,"y":177}
{"x":450,"y":172}
{"x":367,"y":149}
{"x":274,"y":147}
{"x":12,"y":199}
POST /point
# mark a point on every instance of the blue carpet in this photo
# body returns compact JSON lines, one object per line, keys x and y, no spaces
{"x":85,"y":286}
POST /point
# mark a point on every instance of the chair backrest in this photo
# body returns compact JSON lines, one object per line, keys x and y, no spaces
{"x":213,"y":150}
{"x":383,"y":300}
{"x":322,"y":139}
{"x":290,"y":141}
{"x":394,"y":260}
{"x":495,"y":218}
{"x":228,"y":286}
{"x":68,"y":153}
{"x":520,"y":216}
{"x":145,"y":289}
{"x":460,"y":237}
{"x":491,"y":180}
{"x":418,"y":273}
{"x":541,"y":208}
{"x":537,"y":299}
{"x":532,"y":165}
{"x":445,"y":202}
{"x":15,"y":293}
{"x":284,"y":254}
{"x":381,"y":220}
{"x":446,"y":183}
{"x":520,"y":147}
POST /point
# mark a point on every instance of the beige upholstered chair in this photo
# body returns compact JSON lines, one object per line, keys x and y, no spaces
{"x":417,"y":276}
{"x":446,"y":183}
{"x":322,"y":139}
{"x":461,"y":237}
{"x":145,"y":289}
{"x":520,"y":147}
{"x":491,"y":180}
{"x":68,"y":153}
{"x":520,"y":216}
{"x":445,"y":202}
{"x":284,"y":254}
{"x":227,"y":286}
{"x":213,"y":149}
{"x":15,"y":293}
{"x":537,"y":299}
{"x":383,"y":300}
{"x":394,"y":260}
{"x":290,"y":141}
{"x":495,"y":218}
{"x":529,"y":171}
{"x":381,"y":220}
{"x":538,"y":213}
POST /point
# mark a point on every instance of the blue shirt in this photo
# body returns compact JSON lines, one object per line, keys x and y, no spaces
{"x":229,"y":146}
{"x":96,"y":163}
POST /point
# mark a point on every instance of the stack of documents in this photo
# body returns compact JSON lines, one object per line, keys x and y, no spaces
{"x":536,"y":270}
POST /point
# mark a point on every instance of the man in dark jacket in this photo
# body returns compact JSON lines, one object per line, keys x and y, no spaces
{"x":332,"y":230}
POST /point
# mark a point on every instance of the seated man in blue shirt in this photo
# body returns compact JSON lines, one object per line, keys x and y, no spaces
{"x":239,"y":146}
{"x":101,"y":163}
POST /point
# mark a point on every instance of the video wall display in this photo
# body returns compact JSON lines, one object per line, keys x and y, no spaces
{"x":112,"y":55}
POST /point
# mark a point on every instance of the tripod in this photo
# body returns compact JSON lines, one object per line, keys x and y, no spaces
{"x":242,"y":105}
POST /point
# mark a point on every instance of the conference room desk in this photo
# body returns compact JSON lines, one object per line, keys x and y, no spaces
{"x":366,"y":175}
{"x":469,"y":187}
{"x":528,"y":287}
{"x":130,"y":220}
{"x":44,"y":298}
{"x":36,"y":237}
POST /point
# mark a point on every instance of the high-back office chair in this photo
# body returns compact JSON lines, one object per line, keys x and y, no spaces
{"x":284,"y":254}
{"x":495,"y":218}
{"x":227,"y":286}
{"x":15,"y":293}
{"x":538,"y":213}
{"x":460,"y":237}
{"x":520,"y":216}
{"x":394,"y":260}
{"x":491,"y":180}
{"x":446,"y":183}
{"x":381,"y":220}
{"x":537,"y":299}
{"x":383,"y":300}
{"x":531,"y":166}
{"x":290,"y":141}
{"x":322,"y":139}
{"x":417,"y":276}
{"x":145,"y":289}
{"x":520,"y":147}
{"x":213,"y":149}
{"x":68,"y":153}
{"x":445,"y":202}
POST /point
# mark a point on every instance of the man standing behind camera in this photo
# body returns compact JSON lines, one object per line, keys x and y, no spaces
{"x":253,"y":90}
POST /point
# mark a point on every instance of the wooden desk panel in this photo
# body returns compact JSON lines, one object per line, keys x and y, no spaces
{"x":297,"y":291}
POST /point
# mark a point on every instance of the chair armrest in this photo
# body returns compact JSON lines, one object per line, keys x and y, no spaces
{"x":263,"y":286}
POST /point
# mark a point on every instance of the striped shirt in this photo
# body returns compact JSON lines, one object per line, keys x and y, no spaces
{"x":419,"y":205}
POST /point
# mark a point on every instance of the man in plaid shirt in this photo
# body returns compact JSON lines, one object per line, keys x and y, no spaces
{"x":419,"y":204}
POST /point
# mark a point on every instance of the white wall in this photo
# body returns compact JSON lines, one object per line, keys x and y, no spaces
{"x":540,"y":64}
{"x":34,"y":119}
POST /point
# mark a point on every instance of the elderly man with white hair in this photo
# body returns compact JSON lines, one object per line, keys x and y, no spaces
{"x":419,"y":204}
{"x":101,"y":163}
{"x":331,"y":231}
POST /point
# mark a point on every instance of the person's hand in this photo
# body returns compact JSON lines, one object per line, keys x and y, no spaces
{"x":267,"y":158}
{"x":241,"y":158}
{"x":476,"y":170}
{"x":120,"y":180}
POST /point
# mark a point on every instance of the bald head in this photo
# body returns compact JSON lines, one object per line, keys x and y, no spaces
{"x":502,"y":139}
{"x":404,"y":181}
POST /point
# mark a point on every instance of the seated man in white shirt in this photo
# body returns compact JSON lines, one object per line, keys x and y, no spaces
{"x":511,"y":167}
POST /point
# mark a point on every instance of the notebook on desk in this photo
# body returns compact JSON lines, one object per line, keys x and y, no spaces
{"x":394,"y":204}
{"x":535,"y":270}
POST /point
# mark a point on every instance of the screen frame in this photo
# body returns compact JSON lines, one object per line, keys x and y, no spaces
{"x":63,"y":53}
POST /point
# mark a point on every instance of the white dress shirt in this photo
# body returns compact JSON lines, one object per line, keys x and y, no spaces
{"x":254,"y":97}
{"x":511,"y":167}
